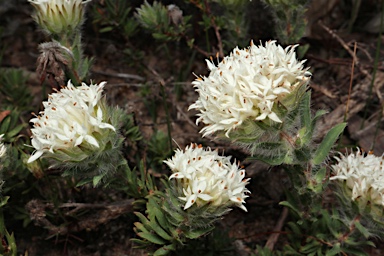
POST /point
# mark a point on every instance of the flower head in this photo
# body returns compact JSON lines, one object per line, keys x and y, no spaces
{"x":363,"y":177}
{"x":206,"y":177}
{"x":247,"y":84}
{"x":73,"y":119}
{"x":59,"y":16}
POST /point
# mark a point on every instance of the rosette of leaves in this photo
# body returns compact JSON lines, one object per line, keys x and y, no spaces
{"x":162,"y":22}
{"x":289,"y":18}
{"x":13,"y":87}
{"x":317,"y":231}
{"x":167,"y":227}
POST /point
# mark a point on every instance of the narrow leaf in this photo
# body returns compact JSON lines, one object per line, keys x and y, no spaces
{"x":327,"y":143}
{"x":271,"y":160}
{"x":151,"y":237}
{"x":165,"y":250}
{"x":362,"y":229}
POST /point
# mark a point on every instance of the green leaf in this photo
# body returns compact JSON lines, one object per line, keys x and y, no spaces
{"x":155,"y":209}
{"x":362,"y":229}
{"x":295,"y":228}
{"x":140,"y":243}
{"x":15,"y":131}
{"x":327,"y":143}
{"x":311,"y":246}
{"x":307,"y":135}
{"x":106,"y":29}
{"x":165,"y":250}
{"x":153,"y":225}
{"x":11,"y":243}
{"x":3,"y":201}
{"x":196,"y":233}
{"x":334,"y":251}
{"x":161,"y":232}
{"x":291,"y":206}
{"x":357,"y":251}
{"x":5,"y":124}
{"x":305,"y":109}
{"x":83,"y":182}
{"x":96,"y":180}
{"x":151,"y":237}
{"x":271,"y":160}
{"x":140,"y":227}
{"x":269,"y":145}
{"x":143,"y":220}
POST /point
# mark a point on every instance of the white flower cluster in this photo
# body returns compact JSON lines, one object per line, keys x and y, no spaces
{"x":246,"y":85}
{"x":363,"y":175}
{"x":207,"y":177}
{"x":71,"y":116}
{"x":57,"y":16}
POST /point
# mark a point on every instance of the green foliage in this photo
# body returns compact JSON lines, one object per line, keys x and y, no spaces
{"x":325,"y":233}
{"x":264,"y":251}
{"x":158,"y":149}
{"x":290,"y":21}
{"x":112,"y":16}
{"x":167,"y":226}
{"x":11,"y":127}
{"x":158,"y":21}
{"x":327,"y":143}
{"x":216,"y":242}
{"x":7,"y":241}
{"x":232,"y":21}
{"x":14,"y":90}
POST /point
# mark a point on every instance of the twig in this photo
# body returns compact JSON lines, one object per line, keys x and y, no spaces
{"x":37,"y":213}
{"x":275,"y":236}
{"x":217,"y":33}
{"x":197,"y":48}
{"x":185,"y":115}
{"x":163,"y":83}
{"x":120,"y":75}
{"x":350,"y":83}
{"x":345,"y":46}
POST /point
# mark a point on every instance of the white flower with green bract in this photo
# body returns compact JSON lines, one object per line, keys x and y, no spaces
{"x":246,"y":85}
{"x":363,"y":175}
{"x":72,"y":118}
{"x":208,"y":178}
{"x":59,"y":16}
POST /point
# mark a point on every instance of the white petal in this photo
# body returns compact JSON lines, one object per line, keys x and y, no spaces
{"x":190,"y":201}
{"x":91,"y":140}
{"x":35,"y":156}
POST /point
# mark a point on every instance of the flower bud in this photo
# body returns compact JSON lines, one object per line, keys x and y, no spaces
{"x":59,"y":17}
